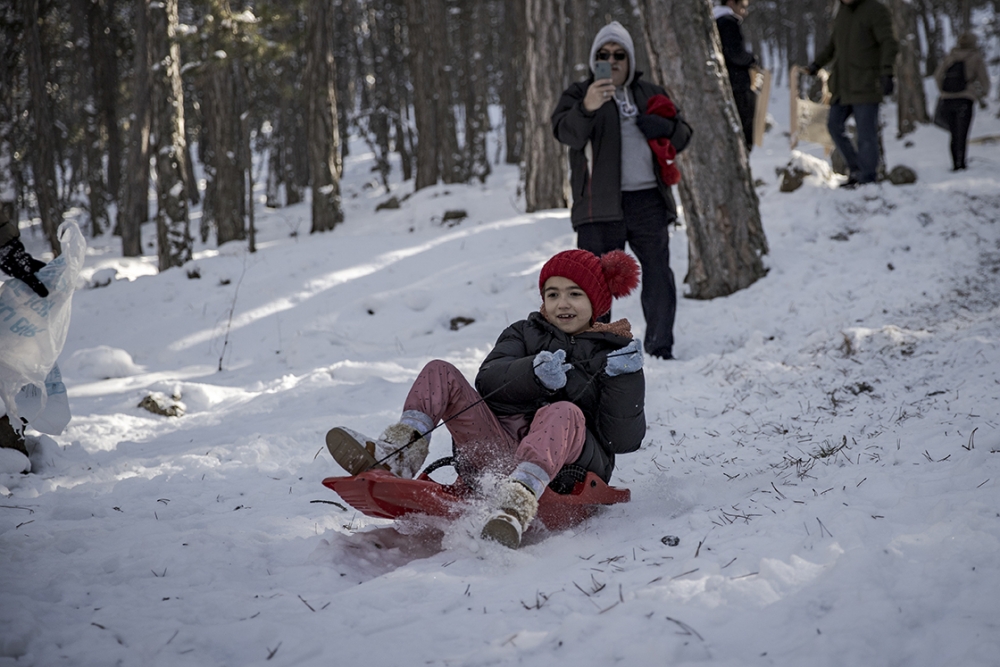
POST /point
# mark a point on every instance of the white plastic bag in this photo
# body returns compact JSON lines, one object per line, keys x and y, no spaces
{"x":47,"y":410}
{"x":33,"y":329}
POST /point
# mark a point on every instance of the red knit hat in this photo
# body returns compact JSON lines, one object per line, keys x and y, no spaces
{"x":614,"y":274}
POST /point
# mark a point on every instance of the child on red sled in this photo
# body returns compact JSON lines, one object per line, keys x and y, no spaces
{"x":559,"y":395}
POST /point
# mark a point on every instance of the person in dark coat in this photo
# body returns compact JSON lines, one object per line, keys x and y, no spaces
{"x":616,"y":154}
{"x":729,"y":16}
{"x":863,"y":50}
{"x":970,"y":82}
{"x":559,"y":395}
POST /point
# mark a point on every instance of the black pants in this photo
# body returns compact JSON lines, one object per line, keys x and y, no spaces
{"x":958,"y":114}
{"x":646,"y":228}
{"x":746,"y":105}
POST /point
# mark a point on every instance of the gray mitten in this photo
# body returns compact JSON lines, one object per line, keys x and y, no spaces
{"x":626,"y":360}
{"x":550,"y":368}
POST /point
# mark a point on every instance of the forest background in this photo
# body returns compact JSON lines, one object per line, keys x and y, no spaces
{"x":102,"y":98}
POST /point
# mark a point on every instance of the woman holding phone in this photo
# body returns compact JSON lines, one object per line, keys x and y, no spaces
{"x":619,"y":191}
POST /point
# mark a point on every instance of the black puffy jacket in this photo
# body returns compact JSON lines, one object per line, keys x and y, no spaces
{"x":614,"y":407}
{"x":595,"y":151}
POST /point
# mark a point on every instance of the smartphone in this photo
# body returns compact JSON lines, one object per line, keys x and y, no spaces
{"x":602,"y":70}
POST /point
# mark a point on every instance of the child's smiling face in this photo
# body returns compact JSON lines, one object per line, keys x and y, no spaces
{"x":566,"y":305}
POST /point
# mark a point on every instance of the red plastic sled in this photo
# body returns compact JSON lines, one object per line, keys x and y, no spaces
{"x":379,"y":493}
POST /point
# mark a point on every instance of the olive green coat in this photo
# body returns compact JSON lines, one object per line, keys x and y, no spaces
{"x":862,"y":49}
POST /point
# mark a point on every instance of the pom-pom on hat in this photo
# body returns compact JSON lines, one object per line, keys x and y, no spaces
{"x":614,"y":274}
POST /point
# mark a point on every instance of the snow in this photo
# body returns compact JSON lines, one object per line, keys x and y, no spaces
{"x":826,"y":447}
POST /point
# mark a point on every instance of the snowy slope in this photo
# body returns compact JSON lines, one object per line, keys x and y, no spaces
{"x":826,"y":447}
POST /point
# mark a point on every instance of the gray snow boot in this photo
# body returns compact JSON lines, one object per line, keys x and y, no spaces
{"x":516,"y":507}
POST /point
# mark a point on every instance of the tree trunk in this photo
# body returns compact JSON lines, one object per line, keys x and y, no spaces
{"x":377,"y":85}
{"x":246,"y":160}
{"x":437,"y":142}
{"x":474,"y":31}
{"x":289,"y":151}
{"x":323,"y":133}
{"x":223,"y":108}
{"x":583,"y":25}
{"x":43,"y":149}
{"x":932,"y":31}
{"x":911,"y":102}
{"x":345,"y":52}
{"x":823,"y":20}
{"x":725,"y":236}
{"x":966,"y":9}
{"x":798,"y":42}
{"x":544,"y":157}
{"x":172,"y":231}
{"x":445,"y":96}
{"x":512,"y":88}
{"x":86,"y":33}
{"x":133,"y":208}
{"x":103,"y":36}
{"x":400,"y":98}
{"x":421,"y":64}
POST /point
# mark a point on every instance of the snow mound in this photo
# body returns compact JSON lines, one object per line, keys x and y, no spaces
{"x":13,"y":462}
{"x":102,"y":362}
{"x":810,"y":164}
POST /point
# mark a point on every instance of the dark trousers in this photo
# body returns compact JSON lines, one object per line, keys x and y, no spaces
{"x":958,"y":114}
{"x":862,"y":162}
{"x":746,"y":105}
{"x":645,"y":227}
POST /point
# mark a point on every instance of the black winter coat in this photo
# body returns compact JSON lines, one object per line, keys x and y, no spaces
{"x":597,"y":186}
{"x":614,"y":407}
{"x":734,"y":50}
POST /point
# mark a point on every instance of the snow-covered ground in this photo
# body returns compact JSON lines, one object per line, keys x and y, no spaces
{"x":826,"y":446}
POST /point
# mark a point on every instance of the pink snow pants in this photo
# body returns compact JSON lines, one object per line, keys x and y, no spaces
{"x":486,"y":442}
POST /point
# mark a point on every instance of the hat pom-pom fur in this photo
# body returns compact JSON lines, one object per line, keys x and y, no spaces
{"x":621,"y":273}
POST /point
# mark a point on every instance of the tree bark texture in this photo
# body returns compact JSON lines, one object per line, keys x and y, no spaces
{"x":43,"y":160}
{"x":391,"y":89}
{"x":93,"y":155}
{"x":437,"y":141}
{"x":377,"y":85}
{"x":323,"y":132}
{"x":474,"y":31}
{"x":133,"y":209}
{"x":346,"y":51}
{"x":288,"y":162}
{"x":172,"y":230}
{"x":512,"y":79}
{"x":225,"y":105}
{"x":910,"y":98}
{"x":725,"y":236}
{"x":932,"y":32}
{"x":544,"y":158}
{"x":102,"y":33}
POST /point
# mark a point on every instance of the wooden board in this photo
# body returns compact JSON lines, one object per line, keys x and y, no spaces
{"x":760,"y":112}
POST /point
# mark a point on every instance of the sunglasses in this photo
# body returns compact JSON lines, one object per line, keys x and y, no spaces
{"x":607,"y":55}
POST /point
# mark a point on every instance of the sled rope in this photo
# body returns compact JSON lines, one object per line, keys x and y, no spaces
{"x":418,"y":435}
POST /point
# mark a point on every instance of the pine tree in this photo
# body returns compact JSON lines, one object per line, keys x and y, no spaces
{"x":725,"y":236}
